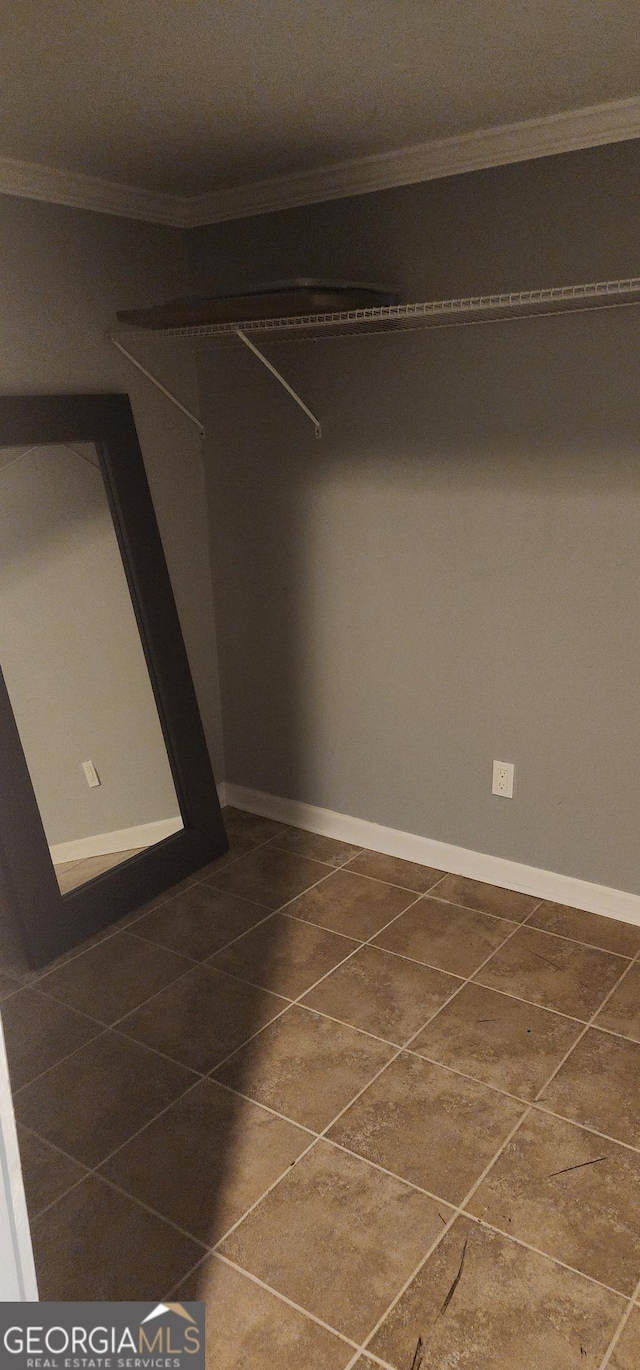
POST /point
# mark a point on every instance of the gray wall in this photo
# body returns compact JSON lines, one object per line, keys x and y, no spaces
{"x":71,"y":653}
{"x":452,"y":574}
{"x":64,"y":274}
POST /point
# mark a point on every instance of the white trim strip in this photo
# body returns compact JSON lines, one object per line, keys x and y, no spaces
{"x":122,"y":839}
{"x":568,"y":131}
{"x":17,"y":1270}
{"x":427,"y":851}
{"x":32,"y":181}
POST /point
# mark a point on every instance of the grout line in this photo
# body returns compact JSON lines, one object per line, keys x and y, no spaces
{"x":112,"y":929}
{"x":526,"y":1112}
{"x":231,"y":1089}
{"x":591,"y":946}
{"x":41,"y":1211}
{"x":209,"y":1075}
{"x":97,"y":1169}
{"x":441,"y":1235}
{"x":584,"y":1127}
{"x":587,"y":1026}
{"x":317,"y":1137}
{"x":380,"y":880}
{"x":393,"y":1174}
{"x":17,"y":1092}
{"x":609,"y":1032}
{"x":209,"y":885}
{"x":469,"y":1196}
{"x":538,"y":1251}
{"x":113,"y":1184}
{"x":322,"y":927}
{"x":375,"y":1360}
{"x":283,"y":1298}
{"x":112,"y":1027}
{"x":157,"y":1051}
{"x":370,"y":941}
{"x":468,"y":979}
{"x":320,"y":1013}
{"x":328,"y":870}
{"x":569,"y":1017}
{"x":331,"y":871}
{"x":620,"y":1328}
{"x":321,"y":1135}
{"x":194,"y":961}
{"x":45,"y":1140}
{"x":353,"y":855}
{"x":149,"y":941}
{"x":206,"y":1256}
{"x":561,"y":936}
{"x":525,"y":1103}
{"x":297,"y":1001}
{"x":417,"y":1055}
{"x":539,"y":1106}
{"x":235,"y":974}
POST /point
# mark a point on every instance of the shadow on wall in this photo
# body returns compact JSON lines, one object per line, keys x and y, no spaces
{"x":450,"y":575}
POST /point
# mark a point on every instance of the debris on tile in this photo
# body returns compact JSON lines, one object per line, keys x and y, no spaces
{"x":546,"y":958}
{"x":456,"y":1282}
{"x":418,"y":1355}
{"x":579,"y":1166}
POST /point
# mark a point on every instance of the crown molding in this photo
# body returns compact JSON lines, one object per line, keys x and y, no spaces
{"x":566,"y":132}
{"x":31,"y":181}
{"x":555,"y":133}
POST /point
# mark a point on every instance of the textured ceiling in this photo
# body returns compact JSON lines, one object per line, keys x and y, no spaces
{"x":189,"y":96}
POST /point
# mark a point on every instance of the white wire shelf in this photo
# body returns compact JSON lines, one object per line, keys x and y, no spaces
{"x":594,"y":295}
{"x":429,"y":314}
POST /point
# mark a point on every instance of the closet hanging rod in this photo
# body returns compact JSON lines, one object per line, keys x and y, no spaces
{"x":556,"y":298}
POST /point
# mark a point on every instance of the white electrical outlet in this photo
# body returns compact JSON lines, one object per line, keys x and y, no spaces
{"x":503,"y":779}
{"x":91,"y":774}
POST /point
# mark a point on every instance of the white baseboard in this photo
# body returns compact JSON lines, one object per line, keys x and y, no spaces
{"x":426,"y":851}
{"x":123,"y":839}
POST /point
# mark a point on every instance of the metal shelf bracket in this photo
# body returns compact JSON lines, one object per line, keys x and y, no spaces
{"x":154,"y":381}
{"x":261,"y":357}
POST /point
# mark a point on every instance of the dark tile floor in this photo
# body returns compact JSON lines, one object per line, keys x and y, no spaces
{"x":372,"y":1114}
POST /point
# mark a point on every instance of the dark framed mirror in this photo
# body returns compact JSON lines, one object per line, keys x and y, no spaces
{"x":107,"y":796}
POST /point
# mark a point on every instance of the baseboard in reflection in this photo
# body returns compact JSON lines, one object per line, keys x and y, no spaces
{"x":123,"y":839}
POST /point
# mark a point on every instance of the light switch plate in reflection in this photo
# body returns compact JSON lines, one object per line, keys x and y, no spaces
{"x":91,"y":774}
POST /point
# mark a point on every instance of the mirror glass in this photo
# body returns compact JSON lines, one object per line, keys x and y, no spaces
{"x":74,"y":667}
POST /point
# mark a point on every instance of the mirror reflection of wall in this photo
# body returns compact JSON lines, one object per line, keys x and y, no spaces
{"x":74,"y":667}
